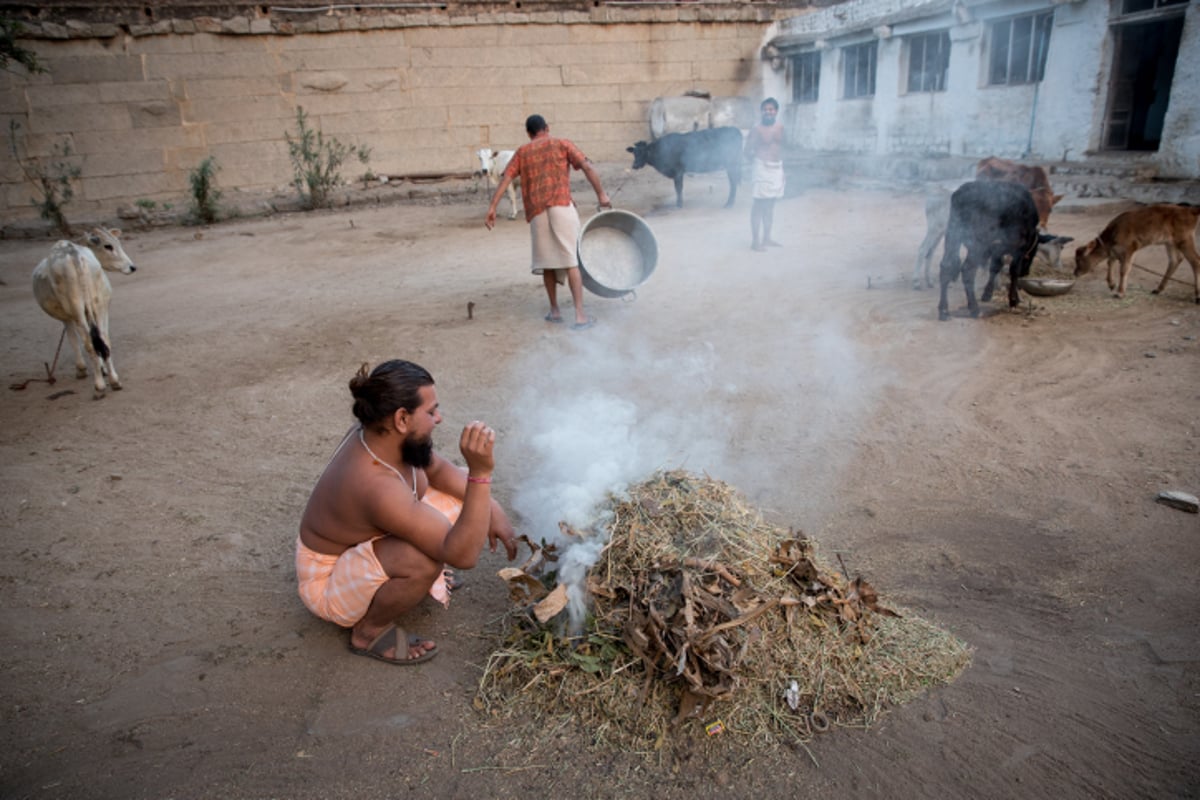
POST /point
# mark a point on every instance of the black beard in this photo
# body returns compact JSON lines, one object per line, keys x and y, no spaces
{"x":417,"y":453}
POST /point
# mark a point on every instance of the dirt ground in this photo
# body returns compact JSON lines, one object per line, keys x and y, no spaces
{"x":996,"y":475}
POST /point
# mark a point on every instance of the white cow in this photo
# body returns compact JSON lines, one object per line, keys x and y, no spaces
{"x":70,"y":285}
{"x":492,"y":163}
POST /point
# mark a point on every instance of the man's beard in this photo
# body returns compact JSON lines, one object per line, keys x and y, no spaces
{"x":417,"y":453}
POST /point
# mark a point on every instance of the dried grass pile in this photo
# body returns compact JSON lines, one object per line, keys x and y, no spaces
{"x":703,"y":617}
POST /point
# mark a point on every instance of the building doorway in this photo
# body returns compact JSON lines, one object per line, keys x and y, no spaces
{"x":1140,"y":87}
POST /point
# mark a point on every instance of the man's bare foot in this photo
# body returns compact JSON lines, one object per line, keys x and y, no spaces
{"x":758,"y":248}
{"x":773,"y":243}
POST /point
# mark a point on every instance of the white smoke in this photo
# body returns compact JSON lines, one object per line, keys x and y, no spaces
{"x":593,"y":425}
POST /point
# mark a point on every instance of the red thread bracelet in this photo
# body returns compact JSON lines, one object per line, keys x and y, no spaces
{"x":473,"y":479}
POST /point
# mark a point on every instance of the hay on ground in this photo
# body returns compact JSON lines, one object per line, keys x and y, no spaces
{"x":703,"y":617}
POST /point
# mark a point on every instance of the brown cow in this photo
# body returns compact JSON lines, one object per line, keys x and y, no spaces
{"x":1166,"y":224}
{"x":1034,"y":179}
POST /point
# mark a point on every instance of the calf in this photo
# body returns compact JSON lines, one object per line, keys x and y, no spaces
{"x":707,"y":150}
{"x":70,"y":285}
{"x":1171,"y":225}
{"x":1035,"y":179}
{"x":492,"y":164}
{"x":937,"y":218}
{"x":993,"y":220}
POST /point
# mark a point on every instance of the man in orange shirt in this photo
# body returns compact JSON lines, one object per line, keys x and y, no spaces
{"x":543,"y":166}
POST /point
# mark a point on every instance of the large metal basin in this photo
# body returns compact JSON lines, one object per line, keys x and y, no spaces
{"x":617,"y":253}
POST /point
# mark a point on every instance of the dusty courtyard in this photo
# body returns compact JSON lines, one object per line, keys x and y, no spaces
{"x":996,"y":475}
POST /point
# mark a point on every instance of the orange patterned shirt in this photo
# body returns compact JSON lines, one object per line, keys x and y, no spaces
{"x":543,"y":166}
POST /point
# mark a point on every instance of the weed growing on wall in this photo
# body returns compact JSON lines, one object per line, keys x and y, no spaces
{"x":52,"y":176}
{"x":205,"y":194}
{"x":10,"y":51}
{"x":317,"y":161}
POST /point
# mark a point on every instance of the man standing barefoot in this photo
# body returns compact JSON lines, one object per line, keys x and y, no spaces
{"x":764,"y":145}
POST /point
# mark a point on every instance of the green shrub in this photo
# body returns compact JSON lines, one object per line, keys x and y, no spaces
{"x":317,"y":161}
{"x":205,"y":194}
{"x":53,"y":178}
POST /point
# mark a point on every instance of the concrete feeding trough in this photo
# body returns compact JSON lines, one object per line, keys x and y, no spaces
{"x":617,"y":253}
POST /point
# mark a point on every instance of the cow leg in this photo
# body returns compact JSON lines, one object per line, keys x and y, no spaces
{"x":679,"y":191}
{"x":1189,"y":251}
{"x":947,"y":273}
{"x":76,"y":344}
{"x":512,"y":201}
{"x":993,"y":266}
{"x":84,"y":335}
{"x":113,"y":380}
{"x":1126,"y":267}
{"x":1018,"y":267}
{"x":1173,"y":259}
{"x":968,"y":279}
{"x":925,"y":256}
{"x":734,"y":177}
{"x":1108,"y":277}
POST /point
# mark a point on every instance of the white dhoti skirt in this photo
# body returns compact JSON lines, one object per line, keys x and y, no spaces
{"x":555,"y":237}
{"x":768,"y":180}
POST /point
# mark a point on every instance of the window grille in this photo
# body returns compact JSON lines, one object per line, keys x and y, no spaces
{"x":858,"y":70}
{"x":928,"y":62}
{"x":806,"y":77}
{"x":1017,"y":49}
{"x":1134,"y":6}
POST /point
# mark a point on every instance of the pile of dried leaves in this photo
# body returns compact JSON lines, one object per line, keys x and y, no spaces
{"x":704,"y":617}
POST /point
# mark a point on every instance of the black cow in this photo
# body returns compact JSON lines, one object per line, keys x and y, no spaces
{"x":992,"y":219}
{"x":699,"y":151}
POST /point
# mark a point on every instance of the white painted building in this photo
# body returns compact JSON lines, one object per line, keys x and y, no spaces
{"x":1037,"y":79}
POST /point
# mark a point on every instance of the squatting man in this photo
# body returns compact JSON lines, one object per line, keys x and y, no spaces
{"x":388,"y":515}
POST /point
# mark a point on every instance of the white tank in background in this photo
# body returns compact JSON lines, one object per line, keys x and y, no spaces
{"x":678,"y":115}
{"x":736,"y":112}
{"x":696,"y":112}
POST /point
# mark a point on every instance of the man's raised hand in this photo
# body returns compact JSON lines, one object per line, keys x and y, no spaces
{"x":476,"y":444}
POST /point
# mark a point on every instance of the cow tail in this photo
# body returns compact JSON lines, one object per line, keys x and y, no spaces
{"x":98,"y":341}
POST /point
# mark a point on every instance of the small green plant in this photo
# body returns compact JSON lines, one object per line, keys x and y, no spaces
{"x":146,"y":205}
{"x":317,"y":161}
{"x":53,"y":178}
{"x":10,"y":51}
{"x":205,"y":194}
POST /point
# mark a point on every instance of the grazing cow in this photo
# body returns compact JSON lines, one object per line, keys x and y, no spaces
{"x":1034,"y":179}
{"x":70,"y":285}
{"x":492,"y":164}
{"x":993,"y":220}
{"x":1171,"y":225}
{"x":937,"y":218}
{"x":708,"y":150}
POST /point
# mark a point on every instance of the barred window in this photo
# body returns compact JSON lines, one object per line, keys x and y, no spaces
{"x":928,"y":62}
{"x":1134,"y":6}
{"x":806,"y":77}
{"x":858,"y":70}
{"x":1018,"y":48}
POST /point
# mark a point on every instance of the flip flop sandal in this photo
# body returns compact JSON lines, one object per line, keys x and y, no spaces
{"x":552,"y":318}
{"x":393,"y":638}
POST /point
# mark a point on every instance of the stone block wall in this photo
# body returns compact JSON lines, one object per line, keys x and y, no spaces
{"x":140,"y":106}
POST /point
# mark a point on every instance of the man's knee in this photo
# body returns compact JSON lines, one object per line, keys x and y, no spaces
{"x":400,"y":559}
